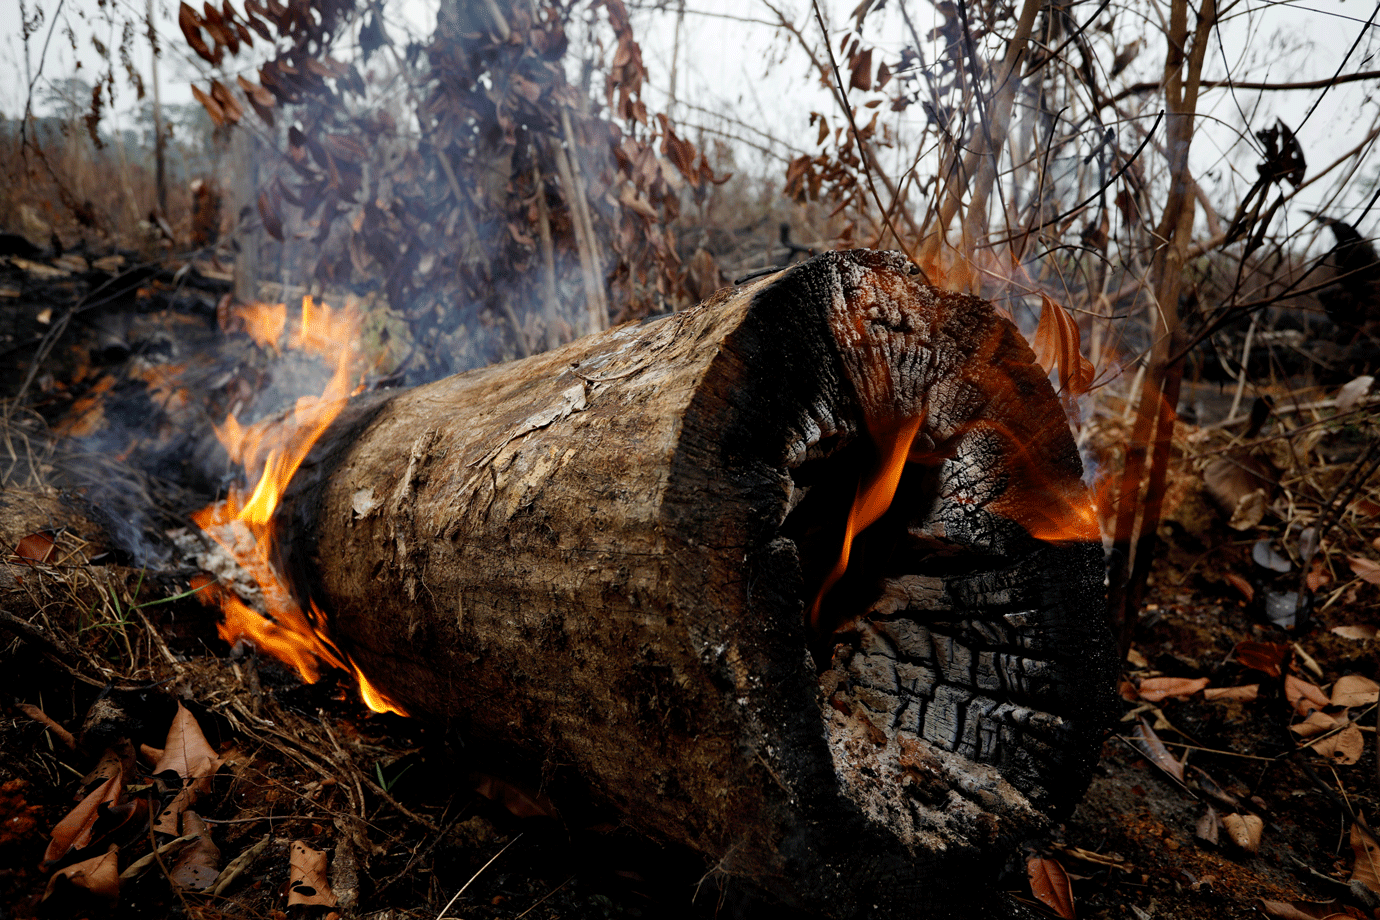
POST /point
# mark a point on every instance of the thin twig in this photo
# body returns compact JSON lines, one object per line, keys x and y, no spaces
{"x":476,"y":875}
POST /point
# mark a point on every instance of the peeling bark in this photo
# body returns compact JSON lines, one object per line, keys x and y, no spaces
{"x":603,"y":556}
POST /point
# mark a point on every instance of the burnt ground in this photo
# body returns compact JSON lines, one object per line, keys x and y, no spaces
{"x":108,"y":447}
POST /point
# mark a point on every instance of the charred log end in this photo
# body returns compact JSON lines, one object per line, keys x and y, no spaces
{"x":964,"y":676}
{"x":606,"y":556}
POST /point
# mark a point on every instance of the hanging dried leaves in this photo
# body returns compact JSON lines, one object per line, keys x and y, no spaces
{"x":1058,"y":345}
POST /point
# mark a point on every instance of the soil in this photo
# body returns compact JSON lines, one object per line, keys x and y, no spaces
{"x":412,"y":819}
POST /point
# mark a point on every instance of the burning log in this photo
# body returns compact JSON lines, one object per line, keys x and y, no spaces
{"x":804,"y":578}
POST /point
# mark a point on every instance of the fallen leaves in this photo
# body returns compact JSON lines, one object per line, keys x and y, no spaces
{"x":1366,"y":868}
{"x":1267,"y":657}
{"x":189,"y":758}
{"x":1343,"y":748}
{"x":1303,"y":696}
{"x":1244,"y":831}
{"x":1050,"y":885}
{"x":1355,"y":690}
{"x":307,"y":877}
{"x":1155,"y":689}
{"x":1368,"y":570}
{"x":99,"y":875}
{"x":1153,"y":748}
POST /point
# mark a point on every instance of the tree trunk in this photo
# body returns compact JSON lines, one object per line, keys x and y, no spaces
{"x":606,"y":556}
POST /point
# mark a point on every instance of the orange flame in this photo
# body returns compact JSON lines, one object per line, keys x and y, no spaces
{"x":872,"y":499}
{"x":243,"y":526}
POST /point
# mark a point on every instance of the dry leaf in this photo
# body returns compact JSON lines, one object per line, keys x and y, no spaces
{"x":307,"y":877}
{"x":187,"y":754}
{"x":1267,"y":657}
{"x":1343,"y":748}
{"x":1318,"y":575}
{"x":1242,"y":585}
{"x":1244,"y":831}
{"x":1355,"y":690}
{"x":1366,"y":569}
{"x":1059,"y":342}
{"x":1242,"y":694}
{"x":197,"y":866}
{"x":1208,"y":827}
{"x":99,"y":875}
{"x":1303,"y":696}
{"x":36,"y":547}
{"x":74,"y":831}
{"x":1050,"y":885}
{"x":1154,"y":689}
{"x":1302,"y":910}
{"x":1366,"y":868}
{"x":1149,"y":743}
{"x":1316,"y":724}
{"x":1359,"y":633}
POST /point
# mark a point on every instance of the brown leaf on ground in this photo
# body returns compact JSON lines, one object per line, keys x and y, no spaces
{"x":36,"y":547}
{"x":117,"y":760}
{"x":99,"y":875}
{"x":1153,"y":748}
{"x":1244,"y":694}
{"x":1267,"y":657}
{"x":1343,"y":748}
{"x":307,"y":882}
{"x":1242,"y":585}
{"x":1244,"y":831}
{"x":1358,"y":633}
{"x":1355,"y":690}
{"x":1154,"y":689}
{"x":191,"y":757}
{"x":1303,"y":696}
{"x":1367,"y":570}
{"x":1050,"y":885}
{"x":1318,"y":575}
{"x":1316,"y":724}
{"x":74,"y":831}
{"x":198,"y":865}
{"x":1366,"y":868}
{"x":1302,"y":910}
{"x":1208,"y":828}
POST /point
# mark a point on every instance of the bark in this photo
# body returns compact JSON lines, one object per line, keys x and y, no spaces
{"x":603,"y":556}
